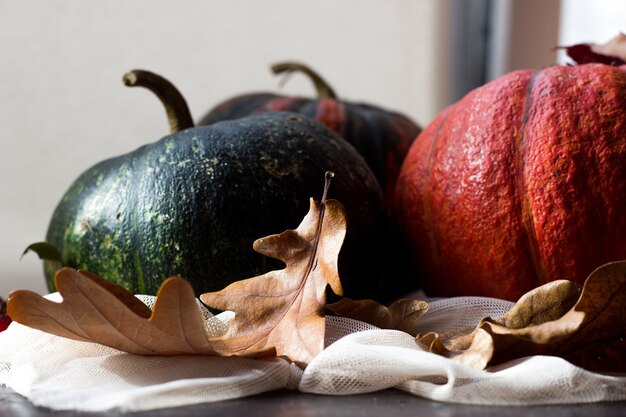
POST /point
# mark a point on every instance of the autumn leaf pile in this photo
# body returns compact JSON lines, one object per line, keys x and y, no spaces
{"x":283,"y":312}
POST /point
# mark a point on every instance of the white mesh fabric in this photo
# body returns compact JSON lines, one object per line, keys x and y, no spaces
{"x":65,"y":374}
{"x":526,"y":381}
{"x":338,"y":327}
{"x":460,"y":313}
{"x":61,"y":373}
{"x":378,"y":359}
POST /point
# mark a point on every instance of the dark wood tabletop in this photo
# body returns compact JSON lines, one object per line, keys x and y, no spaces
{"x":388,"y":403}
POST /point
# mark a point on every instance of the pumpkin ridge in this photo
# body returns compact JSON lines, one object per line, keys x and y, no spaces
{"x":331,"y":113}
{"x":526,"y":215}
{"x":428,"y":218}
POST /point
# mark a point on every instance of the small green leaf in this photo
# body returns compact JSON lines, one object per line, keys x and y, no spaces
{"x":45,"y":250}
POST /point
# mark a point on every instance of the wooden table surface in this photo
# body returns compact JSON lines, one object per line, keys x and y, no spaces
{"x":389,"y":403}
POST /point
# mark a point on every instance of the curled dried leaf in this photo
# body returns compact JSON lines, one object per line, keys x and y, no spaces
{"x":590,"y":334}
{"x":401,"y":315}
{"x":546,"y":303}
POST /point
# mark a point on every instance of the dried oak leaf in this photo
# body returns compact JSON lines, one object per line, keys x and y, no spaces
{"x":591,"y":334}
{"x":96,"y":310}
{"x":401,"y":315}
{"x":545,"y":303}
{"x":285,"y":308}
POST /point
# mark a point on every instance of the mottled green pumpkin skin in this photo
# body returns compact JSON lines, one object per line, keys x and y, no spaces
{"x":193,"y":203}
{"x":381,"y":136}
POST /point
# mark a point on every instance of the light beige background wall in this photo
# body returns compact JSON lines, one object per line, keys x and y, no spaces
{"x":63,"y":106}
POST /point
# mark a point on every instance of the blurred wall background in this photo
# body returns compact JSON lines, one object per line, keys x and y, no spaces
{"x":63,"y":106}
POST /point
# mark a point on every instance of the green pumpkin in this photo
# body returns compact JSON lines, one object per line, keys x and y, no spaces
{"x":192,"y":203}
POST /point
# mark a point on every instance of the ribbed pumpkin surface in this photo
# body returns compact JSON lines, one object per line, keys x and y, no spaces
{"x":521,"y":182}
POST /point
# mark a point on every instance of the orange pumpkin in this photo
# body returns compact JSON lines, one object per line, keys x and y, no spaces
{"x":521,"y":182}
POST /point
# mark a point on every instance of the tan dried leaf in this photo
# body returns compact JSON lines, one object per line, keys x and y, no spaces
{"x":614,"y":47}
{"x":95,"y":310}
{"x":545,"y":303}
{"x":590,"y":334}
{"x":285,"y":308}
{"x":401,"y":315}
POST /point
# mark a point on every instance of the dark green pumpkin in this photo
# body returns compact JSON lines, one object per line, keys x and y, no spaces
{"x":383,"y":137}
{"x":192,"y":203}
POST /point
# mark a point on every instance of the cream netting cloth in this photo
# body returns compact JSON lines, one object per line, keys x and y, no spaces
{"x":65,"y":374}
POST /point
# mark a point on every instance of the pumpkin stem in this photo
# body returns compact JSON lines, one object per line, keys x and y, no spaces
{"x":178,"y":114}
{"x":321,"y":86}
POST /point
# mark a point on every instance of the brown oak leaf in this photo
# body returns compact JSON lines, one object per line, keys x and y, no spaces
{"x":99,"y":311}
{"x":401,"y":315}
{"x":545,"y":303}
{"x":285,"y":308}
{"x":590,"y":334}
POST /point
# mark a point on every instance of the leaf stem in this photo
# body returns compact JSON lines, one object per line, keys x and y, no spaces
{"x":328,"y":176}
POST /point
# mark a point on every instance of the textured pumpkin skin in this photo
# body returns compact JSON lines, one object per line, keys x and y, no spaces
{"x":382,"y":137}
{"x":521,"y":182}
{"x":192,"y":203}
